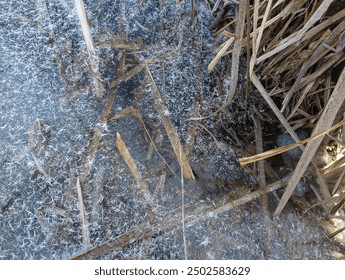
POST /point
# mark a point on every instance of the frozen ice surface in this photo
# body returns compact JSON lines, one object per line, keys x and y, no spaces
{"x":294,"y":154}
{"x":49,"y":114}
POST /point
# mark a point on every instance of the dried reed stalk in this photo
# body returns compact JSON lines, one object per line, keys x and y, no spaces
{"x":194,"y":214}
{"x":170,"y":130}
{"x":85,"y":27}
{"x":85,"y":229}
{"x":255,"y":80}
{"x":247,"y":160}
{"x":257,"y":39}
{"x":144,"y":193}
{"x":96,"y":137}
{"x":127,"y":76}
{"x":136,"y":114}
{"x":236,"y":52}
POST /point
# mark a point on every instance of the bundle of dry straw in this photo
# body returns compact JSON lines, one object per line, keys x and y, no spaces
{"x":295,"y":53}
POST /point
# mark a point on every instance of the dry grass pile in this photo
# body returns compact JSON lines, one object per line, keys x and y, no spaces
{"x":295,"y":60}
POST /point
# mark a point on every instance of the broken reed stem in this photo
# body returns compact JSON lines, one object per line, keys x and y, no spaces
{"x":257,"y":40}
{"x":256,"y":82}
{"x":85,"y":229}
{"x":79,"y":5}
{"x":296,"y":37}
{"x":170,"y":130}
{"x":90,"y":46}
{"x":247,"y":160}
{"x":221,"y":52}
{"x":259,"y":149}
{"x":143,"y":193}
{"x":194,"y":214}
{"x":123,"y":78}
{"x":96,"y":138}
{"x":236,"y":52}
{"x":136,"y":114}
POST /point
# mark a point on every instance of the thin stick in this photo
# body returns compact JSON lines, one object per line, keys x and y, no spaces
{"x":90,"y":46}
{"x":220,"y":53}
{"x":236,"y":52}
